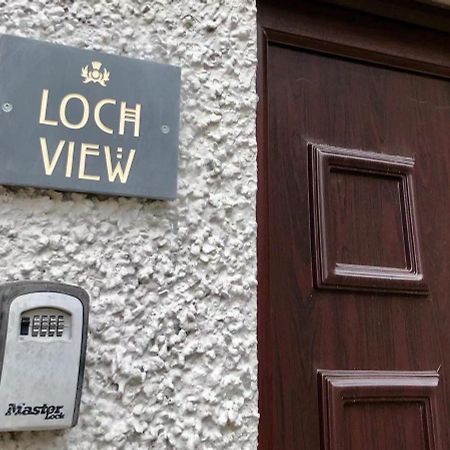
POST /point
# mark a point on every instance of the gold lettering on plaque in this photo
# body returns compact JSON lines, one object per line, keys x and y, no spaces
{"x":49,"y":166}
{"x":130,"y":115}
{"x":63,"y":107}
{"x":69,"y":164}
{"x":118,"y":162}
{"x":97,"y":111}
{"x":87,"y":150}
{"x":43,"y":113}
{"x":118,"y":170}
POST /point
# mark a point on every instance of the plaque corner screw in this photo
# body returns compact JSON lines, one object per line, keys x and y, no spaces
{"x":165,"y":129}
{"x":7,"y":107}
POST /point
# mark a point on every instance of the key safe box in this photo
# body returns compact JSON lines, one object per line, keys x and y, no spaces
{"x":43,"y":331}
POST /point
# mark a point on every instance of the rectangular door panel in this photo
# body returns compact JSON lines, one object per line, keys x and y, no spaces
{"x":379,"y":410}
{"x":363,"y":219}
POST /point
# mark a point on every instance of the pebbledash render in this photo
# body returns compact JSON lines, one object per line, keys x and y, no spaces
{"x":171,"y":359}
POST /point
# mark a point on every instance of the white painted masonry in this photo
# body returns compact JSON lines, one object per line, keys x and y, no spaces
{"x":172,"y":343}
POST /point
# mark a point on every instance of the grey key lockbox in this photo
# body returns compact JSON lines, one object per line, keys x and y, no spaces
{"x":43,"y":331}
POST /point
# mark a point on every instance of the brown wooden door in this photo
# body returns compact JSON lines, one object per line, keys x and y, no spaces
{"x":354,"y":232}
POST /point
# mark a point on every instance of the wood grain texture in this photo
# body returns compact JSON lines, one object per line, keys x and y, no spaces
{"x":364,"y":221}
{"x":349,"y":82}
{"x":426,"y":13}
{"x":357,"y":35}
{"x":396,"y":409}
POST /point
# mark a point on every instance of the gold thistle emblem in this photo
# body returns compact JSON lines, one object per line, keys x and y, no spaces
{"x":95,"y":75}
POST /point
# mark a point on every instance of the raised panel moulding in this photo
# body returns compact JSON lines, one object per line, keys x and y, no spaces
{"x":379,"y":409}
{"x":363,"y":221}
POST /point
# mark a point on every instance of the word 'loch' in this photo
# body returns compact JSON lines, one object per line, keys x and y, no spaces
{"x":131,"y":116}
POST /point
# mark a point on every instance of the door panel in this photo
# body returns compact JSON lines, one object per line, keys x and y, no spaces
{"x":379,"y":410}
{"x":364,"y":221}
{"x":354,"y":249}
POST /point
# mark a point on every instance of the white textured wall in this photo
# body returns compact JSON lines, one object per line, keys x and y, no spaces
{"x":172,"y":343}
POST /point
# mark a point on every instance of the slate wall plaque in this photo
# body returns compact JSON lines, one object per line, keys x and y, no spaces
{"x":86,"y":121}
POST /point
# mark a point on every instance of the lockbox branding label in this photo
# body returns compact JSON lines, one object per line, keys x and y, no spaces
{"x":50,"y":412}
{"x":85,"y":121}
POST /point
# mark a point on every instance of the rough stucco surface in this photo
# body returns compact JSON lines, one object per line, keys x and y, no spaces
{"x":172,"y":347}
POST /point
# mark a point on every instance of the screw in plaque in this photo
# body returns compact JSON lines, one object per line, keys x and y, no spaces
{"x":7,"y":107}
{"x":165,"y":129}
